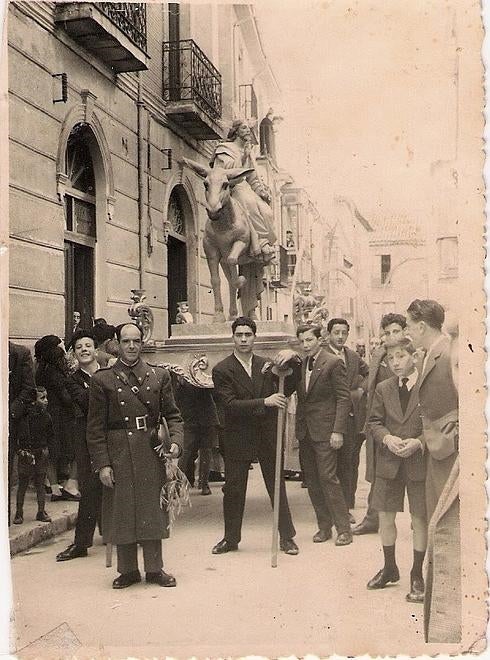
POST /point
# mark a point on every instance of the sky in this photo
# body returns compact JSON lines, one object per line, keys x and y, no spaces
{"x":369,"y":98}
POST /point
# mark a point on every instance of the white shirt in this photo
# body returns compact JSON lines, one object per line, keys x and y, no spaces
{"x":339,"y":352}
{"x":411,"y":380}
{"x":433,"y":345}
{"x":246,"y":364}
{"x":308,"y":372}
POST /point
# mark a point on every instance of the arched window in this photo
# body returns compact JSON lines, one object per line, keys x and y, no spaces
{"x":176,"y":251}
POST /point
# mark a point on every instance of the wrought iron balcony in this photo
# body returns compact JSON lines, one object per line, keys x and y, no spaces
{"x":114,"y":31}
{"x":192,"y":89}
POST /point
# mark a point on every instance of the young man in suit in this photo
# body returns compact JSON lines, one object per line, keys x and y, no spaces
{"x":396,"y":426}
{"x":321,"y":424}
{"x":90,"y":506}
{"x":393,"y":328}
{"x":248,"y":393}
{"x":437,"y":393}
{"x":357,"y":373}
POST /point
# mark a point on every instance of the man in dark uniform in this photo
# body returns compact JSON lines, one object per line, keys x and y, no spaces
{"x":126,"y":404}
{"x":248,"y":393}
{"x":22,"y":391}
{"x":89,"y":508}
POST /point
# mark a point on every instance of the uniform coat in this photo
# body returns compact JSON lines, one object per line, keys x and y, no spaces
{"x":387,"y":418}
{"x":131,"y":510}
{"x":438,"y":400}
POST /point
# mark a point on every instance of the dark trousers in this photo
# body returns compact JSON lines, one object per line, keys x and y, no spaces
{"x":356,"y":457}
{"x":372,"y":516}
{"x":198,"y":441}
{"x":235,"y":489}
{"x":90,"y":506}
{"x":319,"y":463}
{"x":37,"y":473}
{"x":11,"y":456}
{"x":127,"y":556}
{"x":345,"y":462}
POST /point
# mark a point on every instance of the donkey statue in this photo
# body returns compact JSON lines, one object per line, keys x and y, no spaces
{"x":226,"y":241}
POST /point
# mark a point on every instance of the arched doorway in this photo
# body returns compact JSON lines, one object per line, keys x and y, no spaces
{"x":179,"y":217}
{"x":80,"y":227}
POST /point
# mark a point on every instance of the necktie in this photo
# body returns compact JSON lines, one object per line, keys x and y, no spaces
{"x":310,"y":363}
{"x":404,"y":394}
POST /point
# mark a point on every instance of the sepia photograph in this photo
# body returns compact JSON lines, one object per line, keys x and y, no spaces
{"x":243,"y":329}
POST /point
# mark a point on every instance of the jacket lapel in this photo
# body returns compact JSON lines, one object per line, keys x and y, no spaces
{"x":431,"y":361}
{"x":141,"y":372}
{"x":394,"y":399}
{"x":241,"y":375}
{"x":317,"y":368}
{"x":257,"y":375}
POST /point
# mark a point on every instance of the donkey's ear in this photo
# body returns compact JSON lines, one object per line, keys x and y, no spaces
{"x":199,"y":169}
{"x":238,"y":174}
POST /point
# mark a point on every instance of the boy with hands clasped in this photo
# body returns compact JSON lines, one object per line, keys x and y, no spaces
{"x":396,"y":426}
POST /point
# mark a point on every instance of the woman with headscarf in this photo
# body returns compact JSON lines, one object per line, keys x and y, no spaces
{"x":53,"y":373}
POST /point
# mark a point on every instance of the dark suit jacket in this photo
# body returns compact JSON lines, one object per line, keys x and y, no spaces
{"x":22,"y":389}
{"x":325,"y":407}
{"x":387,"y":419}
{"x":247,"y":419}
{"x":438,"y":397}
{"x":378,"y":372}
{"x":357,"y":374}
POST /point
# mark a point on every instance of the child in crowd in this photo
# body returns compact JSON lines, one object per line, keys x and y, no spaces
{"x":400,"y":465}
{"x":34,"y":435}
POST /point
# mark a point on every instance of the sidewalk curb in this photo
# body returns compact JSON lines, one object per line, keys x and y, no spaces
{"x":42,"y":532}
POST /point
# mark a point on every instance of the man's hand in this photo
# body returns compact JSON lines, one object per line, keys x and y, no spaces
{"x":106,"y":475}
{"x":394,"y":443}
{"x":283,"y":357}
{"x":336,"y":440}
{"x":174,"y":451}
{"x":276,"y":401}
{"x":409,"y":447}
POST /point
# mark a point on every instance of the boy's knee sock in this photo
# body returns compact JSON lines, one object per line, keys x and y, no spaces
{"x":418,"y":560}
{"x":389,"y":554}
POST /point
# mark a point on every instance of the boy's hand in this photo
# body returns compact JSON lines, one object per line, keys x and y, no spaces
{"x":393,"y":443}
{"x":336,"y":440}
{"x":409,"y":447}
{"x":106,"y":475}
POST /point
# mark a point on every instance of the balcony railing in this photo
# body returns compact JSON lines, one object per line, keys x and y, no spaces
{"x":188,"y":75}
{"x":129,"y":17}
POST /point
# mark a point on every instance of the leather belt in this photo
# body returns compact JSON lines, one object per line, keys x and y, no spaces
{"x":141,"y":423}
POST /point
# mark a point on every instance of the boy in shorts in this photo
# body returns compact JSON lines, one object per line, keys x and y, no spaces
{"x":396,"y":426}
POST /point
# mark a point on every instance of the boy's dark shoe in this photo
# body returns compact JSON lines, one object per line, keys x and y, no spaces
{"x":289,"y":547}
{"x":224,"y":546}
{"x":161,"y":578}
{"x":206,"y":490}
{"x":382,"y":577}
{"x":42,"y":516}
{"x":417,"y":588}
{"x":345,"y":538}
{"x":72,"y":552}
{"x":322,"y":535}
{"x":19,"y":519}
{"x":126,"y":580}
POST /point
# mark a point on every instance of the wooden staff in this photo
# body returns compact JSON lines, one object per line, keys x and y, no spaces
{"x":281,"y":373}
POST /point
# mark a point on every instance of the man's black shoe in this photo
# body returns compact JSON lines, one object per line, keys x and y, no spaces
{"x":206,"y":490}
{"x":72,"y":552}
{"x":224,"y":546}
{"x":417,"y":589}
{"x":215,"y":476}
{"x":126,"y":580}
{"x":382,"y":577}
{"x":42,"y":516}
{"x":322,"y":535}
{"x":365,"y":527}
{"x":289,"y":547}
{"x":161,"y":578}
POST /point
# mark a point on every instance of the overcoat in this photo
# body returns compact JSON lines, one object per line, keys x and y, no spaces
{"x":324,"y":408}
{"x":387,"y":418}
{"x":131,"y":510}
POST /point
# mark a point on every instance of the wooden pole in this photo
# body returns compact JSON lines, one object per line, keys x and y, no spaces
{"x":281,"y":373}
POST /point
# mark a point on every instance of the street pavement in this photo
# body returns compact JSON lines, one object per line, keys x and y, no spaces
{"x":227,"y":605}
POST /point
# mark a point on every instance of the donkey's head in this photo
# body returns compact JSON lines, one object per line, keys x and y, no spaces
{"x":218,"y":183}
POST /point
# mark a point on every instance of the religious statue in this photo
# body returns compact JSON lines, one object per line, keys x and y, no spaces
{"x":183,"y":313}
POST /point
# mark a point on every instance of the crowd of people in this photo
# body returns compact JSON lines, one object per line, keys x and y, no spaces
{"x":85,"y":423}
